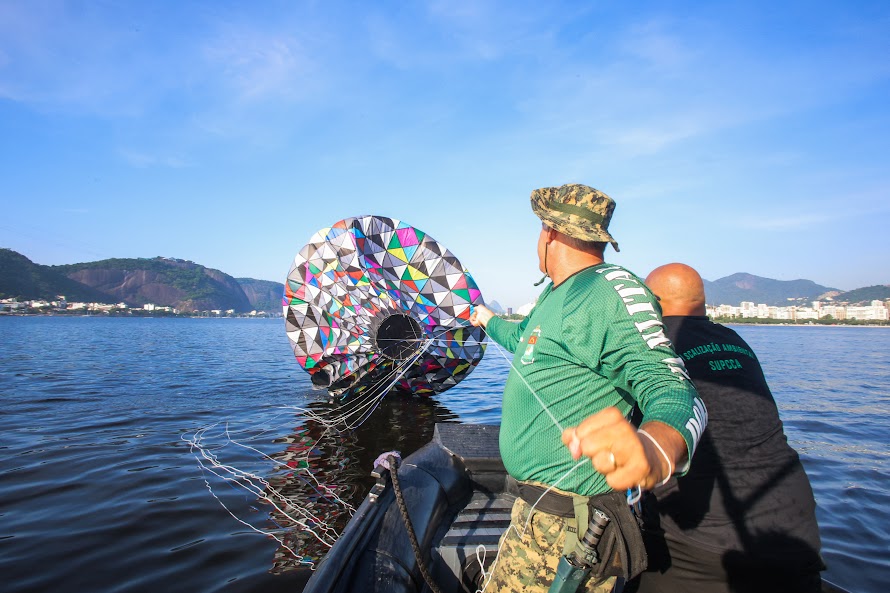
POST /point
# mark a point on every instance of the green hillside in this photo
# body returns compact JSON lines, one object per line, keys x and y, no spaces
{"x":734,"y":289}
{"x":23,"y":279}
{"x":190,"y":287}
{"x":880,"y":292}
{"x":163,"y":281}
{"x":264,"y":295}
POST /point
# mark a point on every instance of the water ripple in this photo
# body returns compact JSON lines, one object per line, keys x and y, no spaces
{"x":99,"y":492}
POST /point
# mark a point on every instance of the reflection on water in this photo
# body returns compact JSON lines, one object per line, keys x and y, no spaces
{"x":94,"y":408}
{"x":324,"y":473}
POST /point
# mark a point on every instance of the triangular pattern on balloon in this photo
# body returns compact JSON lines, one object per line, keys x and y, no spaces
{"x":358,"y":272}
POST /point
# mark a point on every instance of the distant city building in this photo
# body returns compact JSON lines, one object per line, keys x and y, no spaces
{"x":819,"y":310}
{"x":157,"y":308}
{"x":12,"y":305}
{"x":41,"y":306}
{"x":877,"y":311}
{"x":832,"y":311}
{"x":525,"y":309}
{"x":873,"y":313}
{"x":805,"y":313}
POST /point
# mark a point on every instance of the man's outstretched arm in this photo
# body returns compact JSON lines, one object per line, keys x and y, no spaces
{"x":625,"y":456}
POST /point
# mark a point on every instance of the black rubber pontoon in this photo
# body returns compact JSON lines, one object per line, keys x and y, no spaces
{"x":457,"y":497}
{"x":454,"y":489}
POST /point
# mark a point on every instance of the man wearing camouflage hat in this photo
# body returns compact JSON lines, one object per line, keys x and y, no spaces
{"x":592,"y":347}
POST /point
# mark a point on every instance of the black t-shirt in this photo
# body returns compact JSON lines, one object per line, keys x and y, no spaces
{"x":746,"y":489}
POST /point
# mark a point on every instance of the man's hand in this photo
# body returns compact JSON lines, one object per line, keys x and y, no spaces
{"x":480,"y":315}
{"x":623,"y":456}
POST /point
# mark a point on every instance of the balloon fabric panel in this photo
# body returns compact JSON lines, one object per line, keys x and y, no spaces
{"x":371,"y":294}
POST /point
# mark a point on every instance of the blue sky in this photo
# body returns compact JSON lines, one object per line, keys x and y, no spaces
{"x":736,"y":137}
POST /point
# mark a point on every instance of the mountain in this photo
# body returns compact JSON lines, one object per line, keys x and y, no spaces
{"x":185,"y":285}
{"x":495,"y":307}
{"x":188,"y":286}
{"x":736,"y":288}
{"x":21,"y":278}
{"x":264,"y":295}
{"x":866,"y":295}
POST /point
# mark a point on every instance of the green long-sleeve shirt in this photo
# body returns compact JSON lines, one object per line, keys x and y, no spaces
{"x":594,"y":341}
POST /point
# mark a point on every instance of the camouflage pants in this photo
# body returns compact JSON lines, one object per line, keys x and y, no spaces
{"x":527,"y":561}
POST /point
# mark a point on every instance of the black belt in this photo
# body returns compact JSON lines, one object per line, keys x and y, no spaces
{"x":552,"y":502}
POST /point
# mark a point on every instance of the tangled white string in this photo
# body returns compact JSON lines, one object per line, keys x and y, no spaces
{"x":295,"y":512}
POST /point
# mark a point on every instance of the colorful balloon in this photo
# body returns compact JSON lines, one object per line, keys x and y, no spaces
{"x":372,"y":297}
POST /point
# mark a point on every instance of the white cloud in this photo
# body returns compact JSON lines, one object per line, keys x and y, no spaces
{"x":656,"y":137}
{"x":656,"y":46}
{"x":79,"y":59}
{"x":260,"y":64}
{"x":144,"y":160}
{"x":653,"y":85}
{"x":442,"y":33}
{"x":800,"y":221}
{"x":797,"y":212}
{"x":126,"y":61}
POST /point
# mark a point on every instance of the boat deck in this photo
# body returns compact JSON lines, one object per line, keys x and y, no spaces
{"x":471,"y":541}
{"x":458,"y":502}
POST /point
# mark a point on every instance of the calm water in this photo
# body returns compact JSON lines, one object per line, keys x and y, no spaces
{"x":99,"y":491}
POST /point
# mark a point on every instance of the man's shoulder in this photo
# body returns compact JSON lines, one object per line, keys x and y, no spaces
{"x":728,"y":332}
{"x":606,"y":276}
{"x":699,"y":326}
{"x":612,"y":290}
{"x":691,"y":331}
{"x":596,"y":286}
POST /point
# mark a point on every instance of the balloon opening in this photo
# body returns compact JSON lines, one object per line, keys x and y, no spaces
{"x":398,"y":337}
{"x":320,"y":378}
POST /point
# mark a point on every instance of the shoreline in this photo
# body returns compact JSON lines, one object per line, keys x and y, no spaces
{"x":801,"y":324}
{"x":271,"y":316}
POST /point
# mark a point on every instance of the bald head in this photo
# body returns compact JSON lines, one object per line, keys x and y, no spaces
{"x":679,"y":288}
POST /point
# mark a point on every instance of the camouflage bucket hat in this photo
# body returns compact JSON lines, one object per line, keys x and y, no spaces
{"x":576,"y":210}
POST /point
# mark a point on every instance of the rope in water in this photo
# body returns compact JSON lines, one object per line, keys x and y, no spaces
{"x":349,"y":416}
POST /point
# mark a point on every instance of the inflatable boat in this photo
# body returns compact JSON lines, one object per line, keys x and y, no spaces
{"x":427,"y":525}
